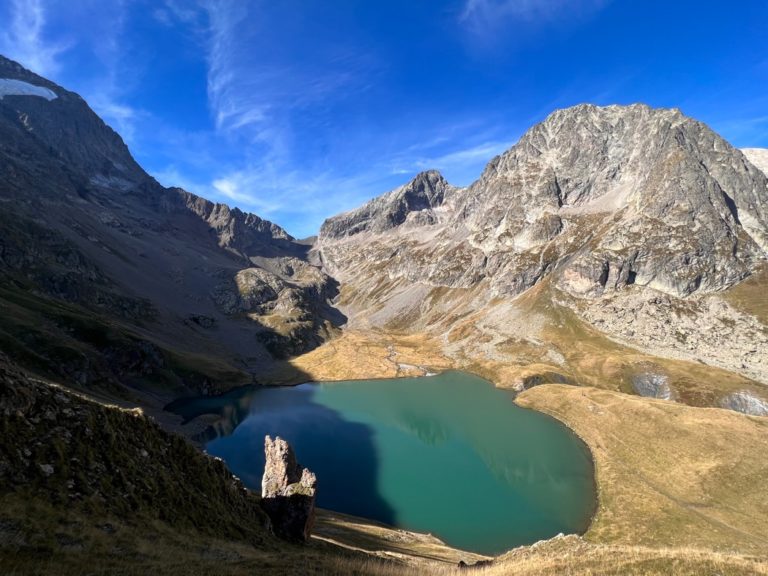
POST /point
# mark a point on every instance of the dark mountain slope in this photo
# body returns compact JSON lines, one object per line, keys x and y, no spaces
{"x":107,"y":279}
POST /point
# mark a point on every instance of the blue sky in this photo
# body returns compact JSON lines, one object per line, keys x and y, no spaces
{"x":299,"y":109}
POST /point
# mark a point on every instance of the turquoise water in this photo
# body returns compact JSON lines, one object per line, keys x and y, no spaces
{"x":449,"y":454}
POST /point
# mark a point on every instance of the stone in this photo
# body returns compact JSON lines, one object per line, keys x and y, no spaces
{"x":652,"y":385}
{"x":745,"y":402}
{"x":417,"y":201}
{"x":646,"y":178}
{"x":288,"y":492}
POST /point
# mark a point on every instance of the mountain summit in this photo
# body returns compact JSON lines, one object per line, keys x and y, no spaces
{"x":597,"y":197}
{"x":591,"y":202}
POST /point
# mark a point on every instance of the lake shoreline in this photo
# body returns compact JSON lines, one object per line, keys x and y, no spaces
{"x":494,"y":449}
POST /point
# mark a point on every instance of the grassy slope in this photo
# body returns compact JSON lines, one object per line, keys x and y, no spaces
{"x":668,"y":475}
{"x":751,"y":295}
{"x":61,"y":340}
{"x":589,"y":357}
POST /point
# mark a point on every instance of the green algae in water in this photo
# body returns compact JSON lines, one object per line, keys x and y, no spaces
{"x":449,"y":455}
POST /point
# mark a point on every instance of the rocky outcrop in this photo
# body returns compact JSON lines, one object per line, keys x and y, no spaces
{"x":85,"y":459}
{"x":288,"y":492}
{"x":417,"y":203}
{"x":704,"y":329}
{"x":243,"y":233}
{"x":652,"y":385}
{"x":746,"y":403}
{"x":596,"y":198}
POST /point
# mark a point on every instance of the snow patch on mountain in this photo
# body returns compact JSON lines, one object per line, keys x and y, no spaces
{"x":10,"y":87}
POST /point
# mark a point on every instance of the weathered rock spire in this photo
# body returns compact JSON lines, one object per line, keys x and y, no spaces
{"x":288,"y":491}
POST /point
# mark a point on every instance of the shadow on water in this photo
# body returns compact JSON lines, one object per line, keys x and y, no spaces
{"x":347,"y":472}
{"x":230,"y":409}
{"x":512,"y":476}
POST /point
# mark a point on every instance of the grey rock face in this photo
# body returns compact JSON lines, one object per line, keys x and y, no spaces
{"x":619,"y":208}
{"x":415,"y":203}
{"x":288,"y":492}
{"x":700,"y":328}
{"x":652,"y":385}
{"x":597,"y":198}
{"x":746,"y":403}
{"x":244,"y":233}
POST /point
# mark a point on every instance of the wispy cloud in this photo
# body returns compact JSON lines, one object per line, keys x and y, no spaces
{"x":108,"y":92}
{"x":289,"y":197}
{"x":23,"y":38}
{"x":254,"y":88}
{"x":171,"y":11}
{"x":487,"y":17}
{"x":744,"y":131}
{"x":462,"y":165}
{"x":122,"y":117}
{"x":261,"y":97}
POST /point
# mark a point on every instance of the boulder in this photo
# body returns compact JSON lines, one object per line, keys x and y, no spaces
{"x":288,"y":492}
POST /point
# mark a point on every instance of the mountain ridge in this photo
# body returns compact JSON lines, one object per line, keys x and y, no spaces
{"x":602,"y":182}
{"x":200,"y":293}
{"x":623,"y":204}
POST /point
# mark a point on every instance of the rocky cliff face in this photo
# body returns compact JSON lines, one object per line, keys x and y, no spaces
{"x":417,"y":203}
{"x":288,"y":491}
{"x":599,"y":198}
{"x":613,"y":202}
{"x":94,"y":254}
{"x":641,"y":222}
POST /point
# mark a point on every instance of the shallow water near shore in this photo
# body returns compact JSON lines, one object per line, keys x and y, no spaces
{"x":449,"y":455}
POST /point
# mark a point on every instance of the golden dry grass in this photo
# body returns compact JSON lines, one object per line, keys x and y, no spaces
{"x":668,"y":475}
{"x":357,"y":355}
{"x":155,"y":549}
{"x":681,"y":489}
{"x":751,"y":295}
{"x":589,"y":357}
{"x":384,"y":541}
{"x":681,"y":492}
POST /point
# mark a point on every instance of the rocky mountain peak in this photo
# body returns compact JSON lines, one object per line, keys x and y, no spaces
{"x":597,"y":197}
{"x":641,"y":173}
{"x":415,"y":203}
{"x":84,"y":224}
{"x":603,"y":159}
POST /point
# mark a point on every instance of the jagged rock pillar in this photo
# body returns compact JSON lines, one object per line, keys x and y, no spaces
{"x":288,"y":492}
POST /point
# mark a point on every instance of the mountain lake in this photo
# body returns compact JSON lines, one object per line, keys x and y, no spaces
{"x":449,"y":455}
